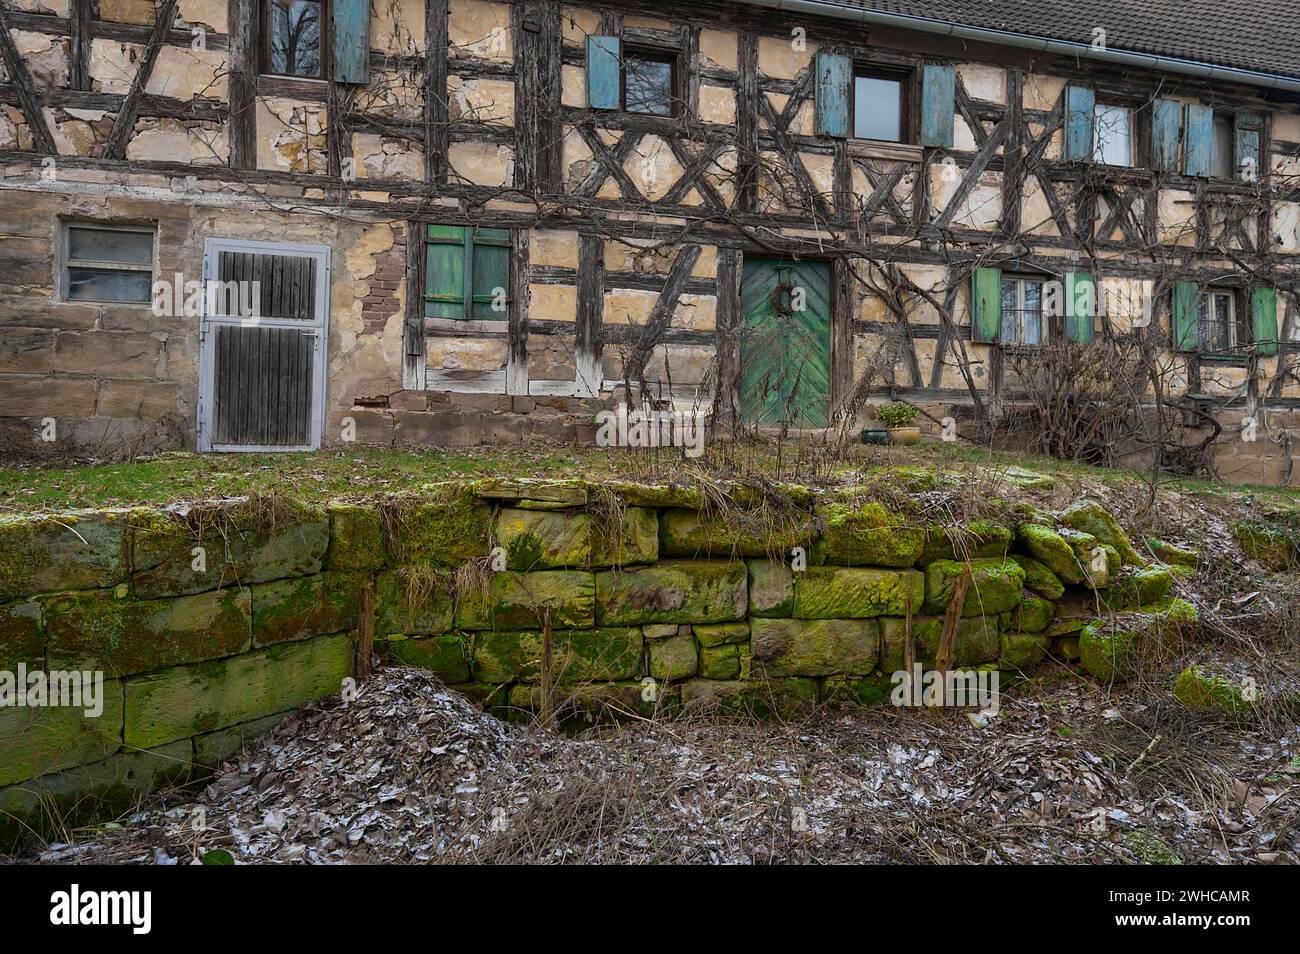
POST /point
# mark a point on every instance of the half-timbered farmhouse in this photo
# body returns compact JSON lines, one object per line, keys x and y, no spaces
{"x":286,"y":224}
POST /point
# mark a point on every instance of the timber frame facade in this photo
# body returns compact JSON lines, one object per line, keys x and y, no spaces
{"x":626,"y":233}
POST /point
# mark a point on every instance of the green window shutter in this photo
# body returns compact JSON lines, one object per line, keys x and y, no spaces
{"x":350,"y":22}
{"x":1263,"y":315}
{"x":986,"y":305}
{"x":444,"y":272}
{"x":1186,"y":322}
{"x":1080,"y":104}
{"x":834,"y":77}
{"x":938,"y":105}
{"x":1166,"y":122}
{"x":604,"y":80}
{"x":490,"y":279}
{"x":1249,"y":129}
{"x":1198,"y":145}
{"x":1081,"y":305}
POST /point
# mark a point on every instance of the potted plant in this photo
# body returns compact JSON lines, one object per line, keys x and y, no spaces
{"x":901,"y":421}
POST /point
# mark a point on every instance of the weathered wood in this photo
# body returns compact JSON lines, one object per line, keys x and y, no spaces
{"x":124,"y":122}
{"x":414,"y":354}
{"x":21,"y":80}
{"x":435,"y":91}
{"x":660,"y":316}
{"x":242,"y":126}
{"x":517,"y":324}
{"x":536,"y":26}
{"x":589,"y":341}
{"x":747,"y":106}
{"x":726,"y":393}
{"x":80,"y":13}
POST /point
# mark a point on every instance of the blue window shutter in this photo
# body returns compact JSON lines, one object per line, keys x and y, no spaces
{"x":1263,"y":316}
{"x":1198,"y":147}
{"x":986,"y":305}
{"x":351,"y":24}
{"x":834,"y":76}
{"x":1080,"y":306}
{"x":938,"y":97}
{"x":603,"y":75}
{"x":1249,"y":135}
{"x":1080,"y":103}
{"x":1166,"y":122}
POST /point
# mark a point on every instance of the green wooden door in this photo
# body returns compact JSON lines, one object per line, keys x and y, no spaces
{"x":785,"y":345}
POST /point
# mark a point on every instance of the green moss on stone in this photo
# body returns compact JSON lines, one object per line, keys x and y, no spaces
{"x":693,"y":533}
{"x":720,"y":662}
{"x":446,"y":656}
{"x":1033,"y":615}
{"x":305,"y":606}
{"x":798,"y":647}
{"x":996,"y":586}
{"x":1023,"y":651}
{"x":1139,"y":587}
{"x":1272,"y":547}
{"x":70,"y":551}
{"x":717,"y":634}
{"x":356,"y":538}
{"x":1196,"y":688}
{"x":1109,"y":647}
{"x":577,"y":656}
{"x":866,"y":534}
{"x":634,"y":541}
{"x":853,"y":593}
{"x":1039,"y":578}
{"x":791,"y":698}
{"x":22,"y":636}
{"x":409,"y":602}
{"x":979,"y":538}
{"x":1172,"y":553}
{"x":771,"y":588}
{"x":673,"y":658}
{"x":692,"y":591}
{"x":1091,"y":517}
{"x":870,"y":690}
{"x":975,"y":641}
{"x":544,"y":539}
{"x":523,"y":600}
{"x":1050,"y":549}
{"x":445,"y":527}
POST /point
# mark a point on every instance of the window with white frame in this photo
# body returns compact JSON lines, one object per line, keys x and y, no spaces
{"x":1022,"y":310}
{"x":107,"y":263}
{"x":1112,"y":139}
{"x":1217,"y":312}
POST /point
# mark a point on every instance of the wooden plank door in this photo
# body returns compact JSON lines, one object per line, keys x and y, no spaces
{"x":262,"y":351}
{"x":785,"y":345}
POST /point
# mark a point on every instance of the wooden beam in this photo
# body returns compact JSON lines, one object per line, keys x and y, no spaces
{"x":80,"y":14}
{"x":661,"y":315}
{"x":124,"y":123}
{"x":242,"y":126}
{"x":517,"y":325}
{"x":28,"y":101}
{"x":414,"y":355}
{"x":435,"y":91}
{"x":589,"y":342}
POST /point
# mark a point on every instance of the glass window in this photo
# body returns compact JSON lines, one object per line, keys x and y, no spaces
{"x":1112,"y":141}
{"x":1022,"y":311}
{"x":878,"y":108}
{"x":1221,"y":160}
{"x":108,"y":264}
{"x":1218,"y":319}
{"x":294,"y":31}
{"x":648,"y":83}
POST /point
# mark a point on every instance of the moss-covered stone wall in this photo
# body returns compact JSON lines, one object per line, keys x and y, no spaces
{"x":210,"y":622}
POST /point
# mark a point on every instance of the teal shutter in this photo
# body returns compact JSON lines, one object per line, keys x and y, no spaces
{"x":1186,"y":318}
{"x":1198,"y":146}
{"x":350,"y":20}
{"x":1166,"y":121}
{"x":986,"y":305}
{"x":834,"y":76}
{"x":603,"y":76}
{"x":1080,"y":306}
{"x":938,"y":105}
{"x":444,"y":272}
{"x":1263,"y":317}
{"x":490,"y":274}
{"x":1080,"y":104}
{"x":1249,"y":135}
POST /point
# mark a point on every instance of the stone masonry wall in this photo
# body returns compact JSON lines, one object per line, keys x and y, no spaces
{"x":210,"y":622}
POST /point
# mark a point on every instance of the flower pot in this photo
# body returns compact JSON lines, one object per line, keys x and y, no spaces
{"x":906,"y":436}
{"x":875,"y":436}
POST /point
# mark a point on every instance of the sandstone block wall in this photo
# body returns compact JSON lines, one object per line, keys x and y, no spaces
{"x":208,"y":624}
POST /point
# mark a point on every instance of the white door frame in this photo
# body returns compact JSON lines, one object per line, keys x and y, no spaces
{"x":319,"y":327}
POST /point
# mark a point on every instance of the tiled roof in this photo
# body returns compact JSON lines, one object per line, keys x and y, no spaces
{"x":1243,"y":34}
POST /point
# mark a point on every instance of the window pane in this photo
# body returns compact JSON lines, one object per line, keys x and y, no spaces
{"x":877,"y":108}
{"x":109,"y":245}
{"x":1010,"y":331}
{"x":1221,"y":161}
{"x":295,"y":37}
{"x":649,"y":85}
{"x":1112,"y":139}
{"x":1032,"y":319}
{"x":94,"y":284}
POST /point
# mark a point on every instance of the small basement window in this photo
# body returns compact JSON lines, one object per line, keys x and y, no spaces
{"x":878,"y":107}
{"x":1112,"y":135}
{"x":467,"y":273}
{"x":1022,"y":310}
{"x":294,"y":34}
{"x":107,"y":263}
{"x":650,"y":83}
